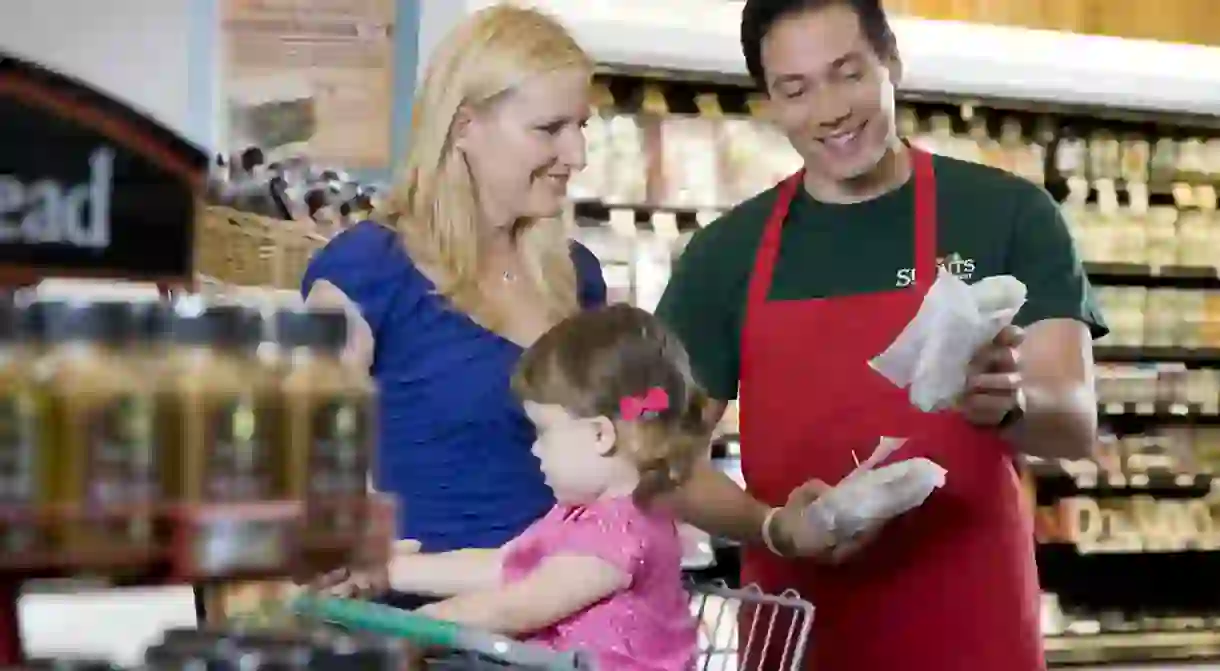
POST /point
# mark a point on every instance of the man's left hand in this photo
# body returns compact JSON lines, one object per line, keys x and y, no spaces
{"x":993,"y":380}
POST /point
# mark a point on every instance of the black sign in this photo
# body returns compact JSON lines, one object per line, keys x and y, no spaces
{"x":88,"y":186}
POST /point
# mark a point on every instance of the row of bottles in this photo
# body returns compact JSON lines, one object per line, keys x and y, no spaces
{"x":652,"y":157}
{"x":1108,"y":231}
{"x":120,"y":420}
{"x":1143,"y":317}
{"x":1147,"y":389}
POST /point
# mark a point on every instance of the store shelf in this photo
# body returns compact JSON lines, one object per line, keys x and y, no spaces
{"x":939,"y":56}
{"x":1158,"y":413}
{"x":1145,"y":648}
{"x":1153,"y":277}
{"x":1055,"y":481}
{"x":1204,"y":357}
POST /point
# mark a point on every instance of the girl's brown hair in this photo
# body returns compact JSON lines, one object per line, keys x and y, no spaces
{"x":590,"y":362}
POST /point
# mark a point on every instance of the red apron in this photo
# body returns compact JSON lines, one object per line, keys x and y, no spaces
{"x":951,"y":586}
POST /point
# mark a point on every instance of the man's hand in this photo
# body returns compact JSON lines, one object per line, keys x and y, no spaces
{"x":792,"y":528}
{"x":993,"y":380}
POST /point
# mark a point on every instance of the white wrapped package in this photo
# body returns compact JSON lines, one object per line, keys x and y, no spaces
{"x":869,"y":497}
{"x":930,"y":357}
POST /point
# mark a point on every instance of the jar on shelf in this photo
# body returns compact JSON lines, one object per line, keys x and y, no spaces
{"x":1162,"y":236}
{"x":328,"y":428}
{"x":28,"y":475}
{"x":99,"y":412}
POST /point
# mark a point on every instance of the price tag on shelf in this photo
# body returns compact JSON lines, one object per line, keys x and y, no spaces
{"x":1183,"y":480}
{"x":1137,"y":192}
{"x":1107,"y":196}
{"x":1116,"y":480}
{"x":665,"y":224}
{"x":1115,"y":408}
{"x":1205,"y":197}
{"x":1086,"y":480}
{"x":1139,"y":480}
{"x":1179,"y":409}
{"x":1145,"y":408}
{"x":1183,"y":196}
{"x":622,"y":222}
{"x":1078,"y":191}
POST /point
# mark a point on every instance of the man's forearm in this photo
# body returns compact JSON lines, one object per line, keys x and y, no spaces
{"x":711,"y":501}
{"x":1058,"y":423}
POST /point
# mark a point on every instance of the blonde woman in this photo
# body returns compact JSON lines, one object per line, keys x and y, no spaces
{"x":467,"y":265}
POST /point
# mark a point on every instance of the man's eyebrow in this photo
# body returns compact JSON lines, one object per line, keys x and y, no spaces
{"x":787,"y":79}
{"x":850,"y":58}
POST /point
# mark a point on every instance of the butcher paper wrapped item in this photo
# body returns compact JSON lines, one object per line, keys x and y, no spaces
{"x":870,"y":496}
{"x":931,"y":355}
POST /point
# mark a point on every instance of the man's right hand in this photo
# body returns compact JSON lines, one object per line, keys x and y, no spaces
{"x":794,"y":535}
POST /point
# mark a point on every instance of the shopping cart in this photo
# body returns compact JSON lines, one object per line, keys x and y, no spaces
{"x":749,"y":630}
{"x":739,"y":630}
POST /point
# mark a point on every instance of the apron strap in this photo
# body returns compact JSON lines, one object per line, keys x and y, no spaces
{"x":768,"y":248}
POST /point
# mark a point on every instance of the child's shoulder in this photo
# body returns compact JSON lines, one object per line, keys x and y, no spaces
{"x":621,"y":514}
{"x":623,"y":524}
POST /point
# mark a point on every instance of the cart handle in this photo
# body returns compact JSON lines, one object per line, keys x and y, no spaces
{"x":381,"y":619}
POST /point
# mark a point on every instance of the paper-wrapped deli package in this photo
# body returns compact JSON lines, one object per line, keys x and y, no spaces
{"x":870,"y":496}
{"x":931,"y":355}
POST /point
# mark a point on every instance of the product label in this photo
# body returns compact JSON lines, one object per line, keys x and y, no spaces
{"x":122,"y":456}
{"x":18,"y":473}
{"x":237,"y":463}
{"x":338,"y":461}
{"x":17,"y":444}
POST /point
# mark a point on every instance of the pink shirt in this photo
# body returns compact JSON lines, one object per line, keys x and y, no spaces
{"x":647,"y":626}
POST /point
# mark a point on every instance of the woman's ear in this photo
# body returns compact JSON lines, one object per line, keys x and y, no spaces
{"x":462,"y":123}
{"x":606,"y":435}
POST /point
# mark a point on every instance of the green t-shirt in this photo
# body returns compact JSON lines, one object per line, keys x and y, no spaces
{"x":989,"y":223}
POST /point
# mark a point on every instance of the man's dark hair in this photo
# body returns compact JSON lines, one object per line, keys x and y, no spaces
{"x":759,"y":16}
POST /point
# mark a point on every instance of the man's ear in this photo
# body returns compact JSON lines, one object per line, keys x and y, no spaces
{"x":894,"y":65}
{"x":606,"y":435}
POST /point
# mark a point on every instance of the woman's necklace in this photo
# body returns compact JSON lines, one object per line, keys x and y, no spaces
{"x":509,"y":276}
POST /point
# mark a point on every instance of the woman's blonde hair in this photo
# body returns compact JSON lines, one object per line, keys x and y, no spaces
{"x":589,"y":363}
{"x":434,"y":207}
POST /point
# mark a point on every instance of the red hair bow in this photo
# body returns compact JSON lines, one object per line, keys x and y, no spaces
{"x":649,"y":405}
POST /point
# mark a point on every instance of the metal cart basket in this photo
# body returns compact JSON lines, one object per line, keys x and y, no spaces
{"x":739,"y":630}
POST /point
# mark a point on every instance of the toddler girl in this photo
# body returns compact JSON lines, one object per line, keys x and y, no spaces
{"x":619,"y":421}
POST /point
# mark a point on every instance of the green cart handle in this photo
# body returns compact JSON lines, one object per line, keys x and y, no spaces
{"x":429,"y":632}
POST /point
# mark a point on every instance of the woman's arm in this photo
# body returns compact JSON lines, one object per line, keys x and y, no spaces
{"x":325,"y":295}
{"x":446,"y":573}
{"x":560,"y":587}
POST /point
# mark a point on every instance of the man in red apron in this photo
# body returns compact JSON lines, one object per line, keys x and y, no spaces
{"x":790,"y":295}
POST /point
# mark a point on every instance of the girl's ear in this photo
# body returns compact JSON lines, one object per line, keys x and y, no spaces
{"x":606,"y":435}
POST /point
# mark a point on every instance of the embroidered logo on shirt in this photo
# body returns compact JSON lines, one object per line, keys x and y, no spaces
{"x":962,"y":267}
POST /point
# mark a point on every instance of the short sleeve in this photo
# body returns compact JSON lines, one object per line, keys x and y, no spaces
{"x":612,"y":531}
{"x":697,"y":307}
{"x":368,"y":263}
{"x":590,"y":282}
{"x":1044,"y":257}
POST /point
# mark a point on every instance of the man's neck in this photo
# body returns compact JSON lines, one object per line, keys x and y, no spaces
{"x":891,"y":172}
